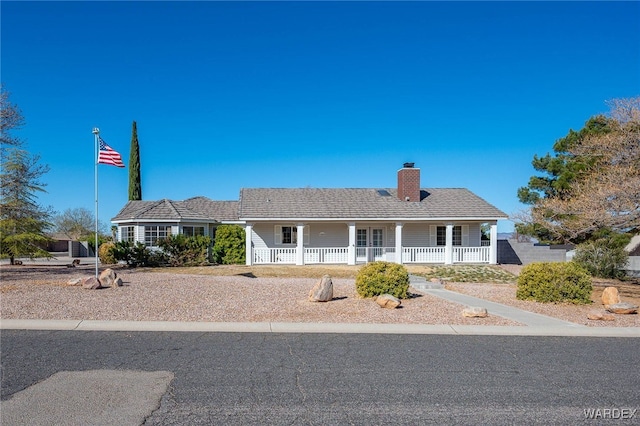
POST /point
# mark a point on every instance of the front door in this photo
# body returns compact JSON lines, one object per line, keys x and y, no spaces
{"x":369,"y":244}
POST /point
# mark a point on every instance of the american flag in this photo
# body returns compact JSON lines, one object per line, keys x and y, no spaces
{"x":108,"y":156}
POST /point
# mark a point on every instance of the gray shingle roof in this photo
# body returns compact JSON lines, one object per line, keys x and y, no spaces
{"x":196,"y":209}
{"x":316,"y":203}
{"x":362,"y":203}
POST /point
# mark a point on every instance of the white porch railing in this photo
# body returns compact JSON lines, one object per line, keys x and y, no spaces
{"x":326,"y":255}
{"x":471,"y":254}
{"x":274,"y":255}
{"x":340,"y":255}
{"x":373,"y":254}
{"x":423,"y":254}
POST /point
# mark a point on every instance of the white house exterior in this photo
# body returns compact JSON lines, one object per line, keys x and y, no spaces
{"x":148,"y":221}
{"x":300,"y":226}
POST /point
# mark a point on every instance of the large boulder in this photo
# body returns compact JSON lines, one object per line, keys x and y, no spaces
{"x":388,"y":301}
{"x":322,"y":291}
{"x":475,"y":312}
{"x":91,"y":283}
{"x":610,"y":296}
{"x":622,"y":308}
{"x":108,"y":278}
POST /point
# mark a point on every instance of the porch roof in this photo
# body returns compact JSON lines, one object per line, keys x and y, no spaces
{"x":200,"y":209}
{"x":362,"y":203}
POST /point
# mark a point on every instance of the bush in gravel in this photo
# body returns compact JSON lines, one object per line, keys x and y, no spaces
{"x":554,"y":282}
{"x":185,"y":251}
{"x":106,"y":253}
{"x":604,"y":257}
{"x":136,"y":254}
{"x":378,"y":278}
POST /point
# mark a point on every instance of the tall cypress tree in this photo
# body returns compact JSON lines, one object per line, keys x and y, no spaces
{"x":135,"y":187}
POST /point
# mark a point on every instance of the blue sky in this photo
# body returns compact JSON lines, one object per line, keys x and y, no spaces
{"x":229,"y":95}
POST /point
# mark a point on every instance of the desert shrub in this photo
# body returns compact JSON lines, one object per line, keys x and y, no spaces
{"x":604,"y":258}
{"x":554,"y":282}
{"x":136,"y":254}
{"x":378,"y":278}
{"x":105,"y":253}
{"x":185,"y":251}
{"x":229,"y":245}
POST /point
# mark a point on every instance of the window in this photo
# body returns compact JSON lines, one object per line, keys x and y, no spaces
{"x":192,"y":231}
{"x":127,"y":233}
{"x":153,"y":233}
{"x":289,"y":235}
{"x":441,"y":237}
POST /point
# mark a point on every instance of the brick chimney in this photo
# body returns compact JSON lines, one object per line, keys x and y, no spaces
{"x":409,"y":183}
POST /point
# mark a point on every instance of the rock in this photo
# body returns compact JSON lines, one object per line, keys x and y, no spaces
{"x":91,"y":283}
{"x":388,"y":301}
{"x":600,"y":316}
{"x":475,"y":312}
{"x":622,"y":308}
{"x":117,"y":283}
{"x":322,"y":291}
{"x":610,"y":296}
{"x":107,"y":278}
{"x":75,"y":281}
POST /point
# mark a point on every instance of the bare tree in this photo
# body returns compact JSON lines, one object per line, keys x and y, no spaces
{"x":607,"y":193}
{"x":10,"y":119}
{"x":75,"y":223}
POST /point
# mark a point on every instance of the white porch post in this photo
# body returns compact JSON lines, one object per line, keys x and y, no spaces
{"x":248,"y":229}
{"x":448,"y":248}
{"x":399,"y":242}
{"x":493,"y":245}
{"x":351,"y":260}
{"x":300,"y":245}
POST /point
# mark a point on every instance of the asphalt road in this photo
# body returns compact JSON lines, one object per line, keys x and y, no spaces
{"x":359,"y":379}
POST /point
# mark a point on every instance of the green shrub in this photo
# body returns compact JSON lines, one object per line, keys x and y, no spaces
{"x":136,"y":254}
{"x":604,"y":258}
{"x":185,"y":251}
{"x":378,"y":278}
{"x":105,"y":253}
{"x":555,"y":282}
{"x":229,"y":246}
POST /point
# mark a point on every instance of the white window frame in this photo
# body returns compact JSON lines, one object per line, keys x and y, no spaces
{"x":286,"y":235}
{"x":279,"y":233}
{"x":460,"y":235}
{"x":128,"y":233}
{"x":195,"y":230}
{"x":152,"y":233}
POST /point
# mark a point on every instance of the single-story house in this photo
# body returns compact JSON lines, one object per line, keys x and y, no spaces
{"x":406,"y":224}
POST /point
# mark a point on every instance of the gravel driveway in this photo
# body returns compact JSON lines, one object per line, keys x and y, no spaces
{"x":29,"y":292}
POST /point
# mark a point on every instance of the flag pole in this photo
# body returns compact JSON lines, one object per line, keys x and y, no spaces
{"x":96,"y":132}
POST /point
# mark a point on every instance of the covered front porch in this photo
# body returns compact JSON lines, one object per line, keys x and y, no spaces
{"x":306,"y":244}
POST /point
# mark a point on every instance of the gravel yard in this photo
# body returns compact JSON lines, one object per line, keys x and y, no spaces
{"x":32,"y":292}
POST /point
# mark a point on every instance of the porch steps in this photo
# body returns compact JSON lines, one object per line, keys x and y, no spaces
{"x":421,"y":283}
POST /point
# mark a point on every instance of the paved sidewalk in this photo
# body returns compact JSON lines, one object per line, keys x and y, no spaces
{"x":527,"y":318}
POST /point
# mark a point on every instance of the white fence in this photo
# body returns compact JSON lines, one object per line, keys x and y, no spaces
{"x":340,"y":255}
{"x":274,"y":255}
{"x":326,"y":255}
{"x":423,"y":254}
{"x":374,"y":254}
{"x":471,"y":255}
